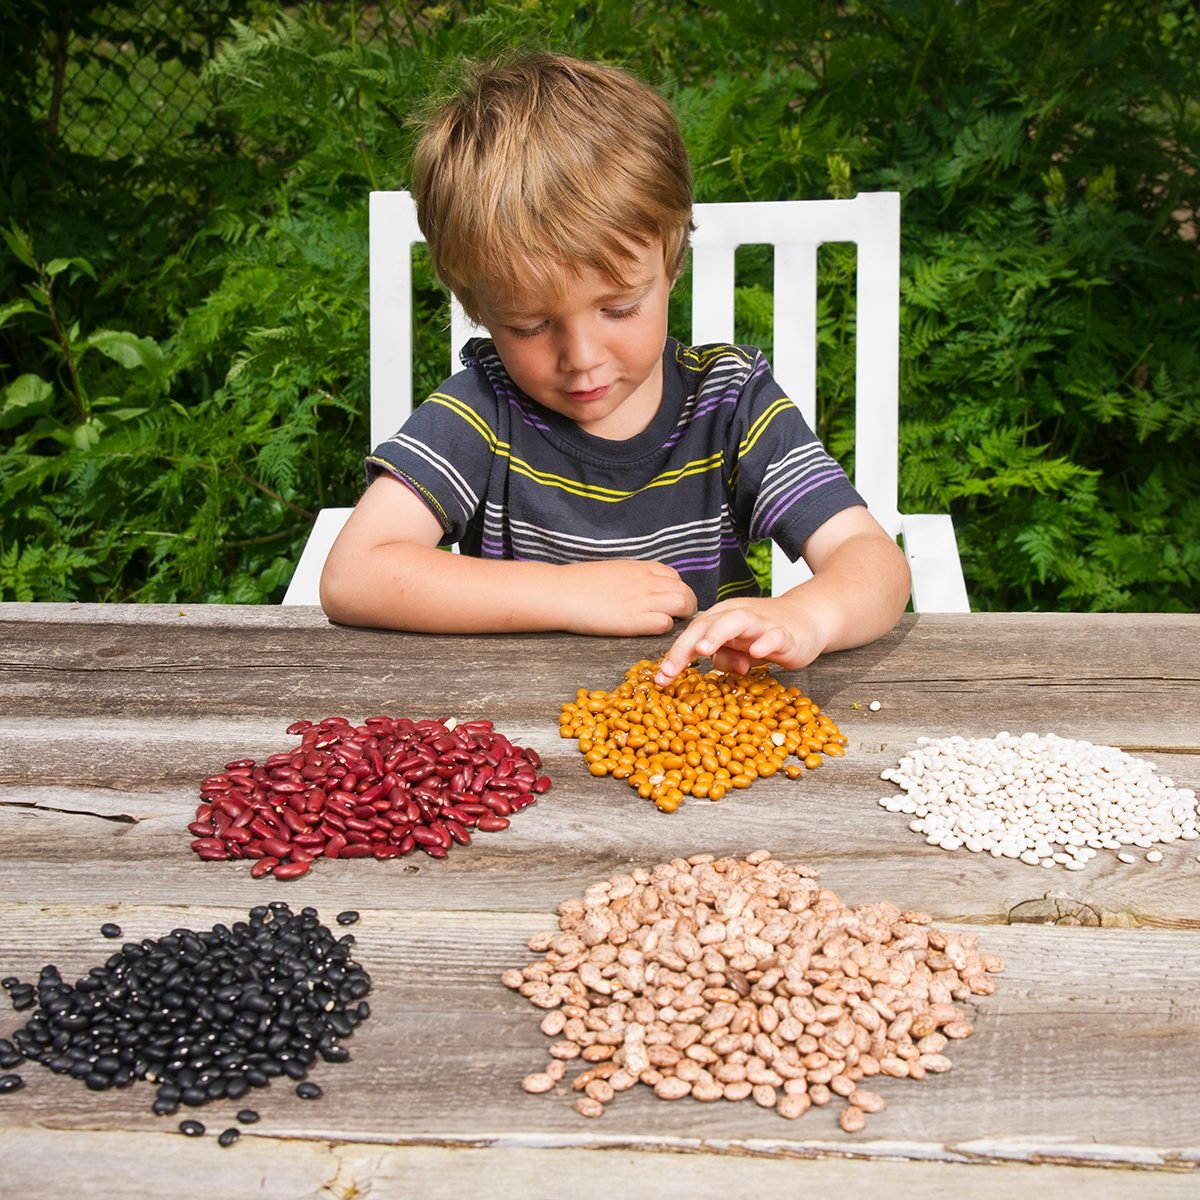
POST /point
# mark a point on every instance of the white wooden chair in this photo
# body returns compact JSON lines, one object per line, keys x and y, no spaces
{"x":796,"y":229}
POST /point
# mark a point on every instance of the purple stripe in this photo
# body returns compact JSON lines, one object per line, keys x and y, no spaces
{"x":494,"y":548}
{"x":705,"y":404}
{"x":695,"y":564}
{"x":811,"y":484}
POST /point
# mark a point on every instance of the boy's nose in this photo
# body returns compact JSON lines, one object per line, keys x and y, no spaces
{"x":580,"y":349}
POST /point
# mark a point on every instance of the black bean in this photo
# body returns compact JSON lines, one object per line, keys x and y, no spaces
{"x":191,"y":1128}
{"x":229,"y":1136}
{"x":247,"y":1116}
{"x":347,"y":918}
{"x":9,"y":982}
{"x":308,"y":1091}
{"x":204,"y":1015}
{"x":110,"y":930}
{"x":10,"y":1083}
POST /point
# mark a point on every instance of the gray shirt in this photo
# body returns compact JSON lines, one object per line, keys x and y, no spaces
{"x":728,"y":460}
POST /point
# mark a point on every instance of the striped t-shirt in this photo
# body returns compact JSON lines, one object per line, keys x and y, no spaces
{"x":727,"y":460}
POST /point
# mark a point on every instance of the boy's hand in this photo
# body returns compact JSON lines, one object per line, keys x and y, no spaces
{"x":624,"y":597}
{"x":735,"y":634}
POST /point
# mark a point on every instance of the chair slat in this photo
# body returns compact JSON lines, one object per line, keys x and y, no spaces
{"x":794,"y":353}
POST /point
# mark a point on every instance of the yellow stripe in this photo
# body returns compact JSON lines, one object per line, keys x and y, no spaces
{"x":760,"y":426}
{"x":559,"y":482}
{"x":736,"y":586}
{"x":614,"y":495}
{"x":755,"y":432}
{"x":472,"y":418}
{"x":688,"y":356}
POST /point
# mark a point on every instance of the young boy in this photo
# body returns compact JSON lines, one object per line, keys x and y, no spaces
{"x":599,"y":477}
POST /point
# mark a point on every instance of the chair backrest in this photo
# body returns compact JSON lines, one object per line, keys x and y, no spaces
{"x":795,"y":228}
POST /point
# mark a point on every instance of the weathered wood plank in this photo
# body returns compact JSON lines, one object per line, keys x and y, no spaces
{"x":1080,"y":1012}
{"x":82,"y":838}
{"x":550,"y":850}
{"x":39,"y":1161}
{"x":1080,"y":676}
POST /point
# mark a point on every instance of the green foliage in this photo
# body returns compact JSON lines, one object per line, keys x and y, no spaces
{"x":183,"y":332}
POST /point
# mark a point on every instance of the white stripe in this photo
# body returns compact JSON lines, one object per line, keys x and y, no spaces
{"x":445,"y":468}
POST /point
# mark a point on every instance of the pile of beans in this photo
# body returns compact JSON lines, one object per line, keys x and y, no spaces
{"x":204,"y":1015}
{"x":700,"y":735}
{"x":377,"y":790}
{"x":723,"y":979}
{"x":1043,"y":799}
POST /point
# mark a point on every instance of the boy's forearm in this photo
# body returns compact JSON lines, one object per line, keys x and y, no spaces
{"x":426,"y":590}
{"x":859,"y":593}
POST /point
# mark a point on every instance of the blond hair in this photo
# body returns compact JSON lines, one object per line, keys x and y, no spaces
{"x":547,"y":165}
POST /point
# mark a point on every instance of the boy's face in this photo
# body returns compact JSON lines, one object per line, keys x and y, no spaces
{"x":595,"y":355}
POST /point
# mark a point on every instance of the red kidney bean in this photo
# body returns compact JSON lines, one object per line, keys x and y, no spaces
{"x":500,"y":805}
{"x":294,"y":821}
{"x":291,"y":870}
{"x":381,"y":789}
{"x":457,"y":831}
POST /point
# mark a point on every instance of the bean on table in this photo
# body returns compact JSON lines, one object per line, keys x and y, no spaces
{"x":378,"y":790}
{"x":700,"y":735}
{"x":722,"y":979}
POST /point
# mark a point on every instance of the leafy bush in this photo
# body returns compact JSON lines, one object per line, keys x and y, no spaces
{"x":184,"y":337}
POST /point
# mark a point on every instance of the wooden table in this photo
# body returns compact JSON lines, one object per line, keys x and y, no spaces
{"x":1082,"y":1076}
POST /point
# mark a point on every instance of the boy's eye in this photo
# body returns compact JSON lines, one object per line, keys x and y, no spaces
{"x":630,"y":310}
{"x":525,"y":331}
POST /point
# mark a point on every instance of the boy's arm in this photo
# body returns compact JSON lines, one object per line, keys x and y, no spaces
{"x":859,"y":588}
{"x":386,"y":571}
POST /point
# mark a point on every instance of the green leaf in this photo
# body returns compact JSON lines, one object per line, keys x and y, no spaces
{"x":8,"y":311}
{"x":21,"y":245}
{"x":27,"y":396}
{"x":86,"y":434}
{"x":126,"y":348}
{"x":56,"y":266}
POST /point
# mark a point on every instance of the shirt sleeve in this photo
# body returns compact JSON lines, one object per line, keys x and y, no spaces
{"x":445,"y":450}
{"x":784,"y":483}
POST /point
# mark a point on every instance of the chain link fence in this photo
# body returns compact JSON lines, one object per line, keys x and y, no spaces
{"x":126,"y":79}
{"x":123,"y":80}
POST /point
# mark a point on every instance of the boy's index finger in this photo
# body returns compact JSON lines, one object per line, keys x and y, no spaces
{"x":679,"y":656}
